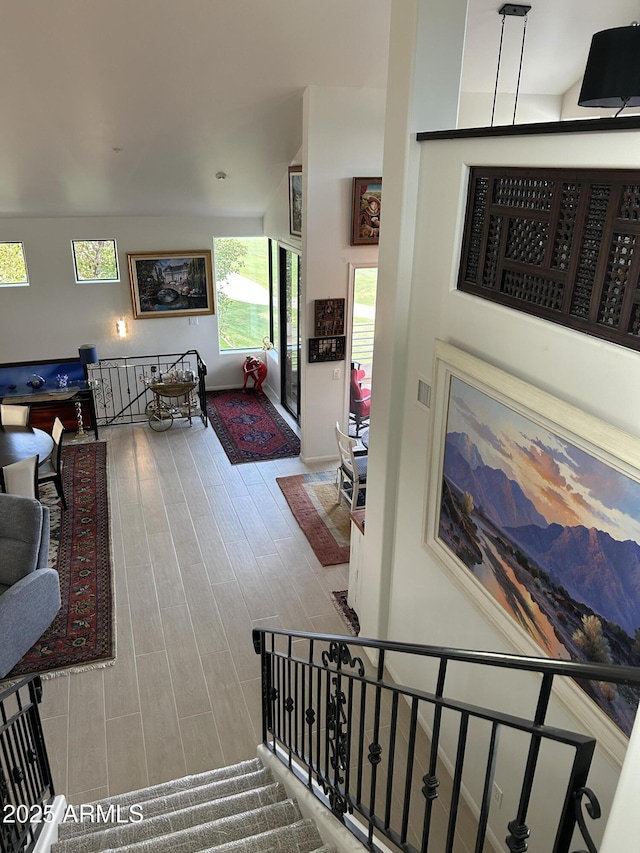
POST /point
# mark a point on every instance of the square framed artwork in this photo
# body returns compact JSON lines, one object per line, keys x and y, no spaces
{"x":365,"y":212}
{"x":327,"y":349}
{"x":295,"y":201}
{"x":329,"y":317}
{"x":171,"y":284}
{"x":533,"y":508}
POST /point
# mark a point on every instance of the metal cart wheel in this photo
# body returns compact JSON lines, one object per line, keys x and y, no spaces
{"x":161,"y":419}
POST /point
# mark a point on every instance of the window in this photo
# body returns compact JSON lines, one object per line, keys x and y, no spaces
{"x":95,"y":260}
{"x":242,"y":287}
{"x":13,"y":266}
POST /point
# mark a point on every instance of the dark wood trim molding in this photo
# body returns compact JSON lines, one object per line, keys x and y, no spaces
{"x":597,"y":125}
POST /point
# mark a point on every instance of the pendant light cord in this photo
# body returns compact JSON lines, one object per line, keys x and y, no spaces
{"x":495,"y":91}
{"x":524,"y":35}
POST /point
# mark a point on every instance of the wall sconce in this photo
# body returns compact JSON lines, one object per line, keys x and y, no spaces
{"x":121,"y":328}
{"x":612,"y":75}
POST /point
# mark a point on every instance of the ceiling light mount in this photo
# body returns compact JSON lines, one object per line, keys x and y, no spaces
{"x":515,"y":10}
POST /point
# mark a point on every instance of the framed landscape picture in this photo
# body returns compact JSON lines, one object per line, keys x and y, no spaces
{"x":534,"y":508}
{"x":295,"y":200}
{"x":171,"y":284}
{"x":365,"y":214}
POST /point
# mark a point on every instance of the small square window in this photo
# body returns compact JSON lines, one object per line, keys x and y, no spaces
{"x":13,"y":266}
{"x":95,"y":260}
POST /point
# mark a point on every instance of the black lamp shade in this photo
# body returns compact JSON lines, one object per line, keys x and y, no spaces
{"x":88,"y":354}
{"x":612,"y":75}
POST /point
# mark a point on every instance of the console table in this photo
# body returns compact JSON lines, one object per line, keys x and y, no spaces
{"x":46,"y":406}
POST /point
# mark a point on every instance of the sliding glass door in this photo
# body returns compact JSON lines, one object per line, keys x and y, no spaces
{"x":290,"y":330}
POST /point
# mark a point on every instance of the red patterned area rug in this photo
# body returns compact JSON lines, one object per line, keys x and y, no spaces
{"x":325,"y":522}
{"x":82,"y":636}
{"x":249,"y":427}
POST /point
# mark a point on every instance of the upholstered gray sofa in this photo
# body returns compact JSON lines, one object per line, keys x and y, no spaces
{"x":29,"y":591}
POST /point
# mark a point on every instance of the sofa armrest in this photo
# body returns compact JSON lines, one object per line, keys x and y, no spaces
{"x":27,"y":608}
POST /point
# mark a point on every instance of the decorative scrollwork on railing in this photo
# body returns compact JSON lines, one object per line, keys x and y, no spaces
{"x":593,"y":810}
{"x":338,"y":803}
{"x":375,"y":753}
{"x":339,"y":653}
{"x":517,"y":840}
{"x":289,"y":705}
{"x":310,"y":716}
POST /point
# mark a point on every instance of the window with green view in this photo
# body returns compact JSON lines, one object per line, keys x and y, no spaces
{"x":242,"y":285}
{"x":95,"y":260}
{"x":13,"y":267}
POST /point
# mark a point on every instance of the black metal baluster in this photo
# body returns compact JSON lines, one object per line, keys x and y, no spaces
{"x":518,"y":830}
{"x":488,"y":785}
{"x":457,"y":782}
{"x":411,"y":749}
{"x":375,"y":749}
{"x":363,"y":713}
{"x":391,"y":759}
{"x":431,"y":781}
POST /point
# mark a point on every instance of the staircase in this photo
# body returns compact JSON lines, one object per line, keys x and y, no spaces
{"x":238,"y":808}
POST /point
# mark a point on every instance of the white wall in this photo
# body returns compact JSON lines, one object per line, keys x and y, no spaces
{"x":54,"y":315}
{"x":425,"y":606}
{"x":476,"y":107}
{"x":342,"y":139}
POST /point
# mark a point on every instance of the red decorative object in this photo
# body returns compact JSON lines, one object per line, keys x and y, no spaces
{"x":257,"y":370}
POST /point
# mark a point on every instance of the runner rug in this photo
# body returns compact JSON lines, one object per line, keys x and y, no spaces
{"x":82,"y":636}
{"x":325,"y":522}
{"x":249,"y":427}
{"x":339,"y":598}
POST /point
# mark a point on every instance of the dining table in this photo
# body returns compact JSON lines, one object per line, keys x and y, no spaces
{"x":21,"y":442}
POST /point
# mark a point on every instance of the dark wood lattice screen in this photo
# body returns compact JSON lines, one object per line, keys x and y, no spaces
{"x":558,"y":244}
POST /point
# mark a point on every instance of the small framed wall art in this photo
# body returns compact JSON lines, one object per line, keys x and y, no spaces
{"x":329,"y":317}
{"x":295,"y":201}
{"x":366,"y":207}
{"x":326,"y":349}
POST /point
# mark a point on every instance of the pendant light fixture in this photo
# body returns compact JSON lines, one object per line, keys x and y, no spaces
{"x":517,"y":11}
{"x":612,"y":76}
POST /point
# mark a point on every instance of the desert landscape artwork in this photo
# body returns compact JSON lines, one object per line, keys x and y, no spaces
{"x":550,"y":530}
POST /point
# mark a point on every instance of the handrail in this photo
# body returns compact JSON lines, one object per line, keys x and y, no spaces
{"x":121,"y":394}
{"x":26,"y":786}
{"x":316,"y":692}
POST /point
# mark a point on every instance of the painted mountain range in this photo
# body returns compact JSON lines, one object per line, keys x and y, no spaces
{"x":591,"y":565}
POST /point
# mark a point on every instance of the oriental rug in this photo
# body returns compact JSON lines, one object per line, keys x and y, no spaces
{"x":325,"y":522}
{"x":249,"y":427}
{"x":349,"y":615}
{"x":82,"y":636}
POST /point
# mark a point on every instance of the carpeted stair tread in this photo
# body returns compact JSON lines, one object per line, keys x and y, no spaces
{"x":174,"y":822}
{"x":300,"y":837}
{"x":244,"y":776}
{"x":211,"y":835}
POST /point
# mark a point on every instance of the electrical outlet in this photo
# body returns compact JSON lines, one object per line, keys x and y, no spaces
{"x":336,"y":373}
{"x":496,"y":796}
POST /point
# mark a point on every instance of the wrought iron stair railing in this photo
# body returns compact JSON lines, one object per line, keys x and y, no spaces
{"x":121,"y":394}
{"x":372,"y":749}
{"x":26,"y":787}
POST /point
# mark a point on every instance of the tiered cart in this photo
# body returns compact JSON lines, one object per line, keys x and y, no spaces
{"x":171,"y":400}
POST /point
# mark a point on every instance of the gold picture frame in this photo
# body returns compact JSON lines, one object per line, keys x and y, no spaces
{"x":171,"y":284}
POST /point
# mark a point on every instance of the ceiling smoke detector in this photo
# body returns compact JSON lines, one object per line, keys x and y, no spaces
{"x":221,"y":176}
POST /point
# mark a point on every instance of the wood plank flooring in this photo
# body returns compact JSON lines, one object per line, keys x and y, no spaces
{"x":202,"y":551}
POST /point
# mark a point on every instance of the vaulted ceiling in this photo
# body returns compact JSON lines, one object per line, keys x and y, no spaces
{"x":116,"y":107}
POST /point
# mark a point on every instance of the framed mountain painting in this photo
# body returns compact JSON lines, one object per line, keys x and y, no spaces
{"x":534,"y":508}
